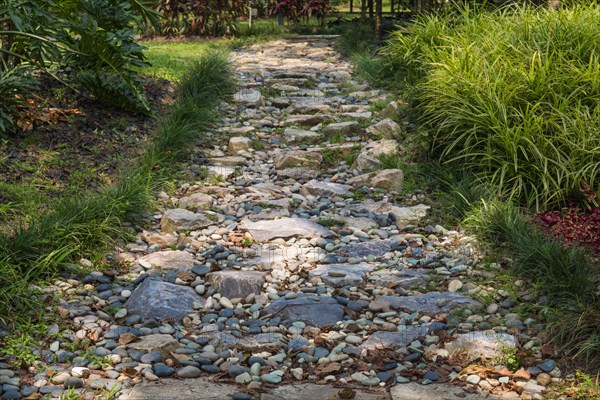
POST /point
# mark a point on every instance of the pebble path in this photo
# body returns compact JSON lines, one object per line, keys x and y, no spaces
{"x":292,"y":272}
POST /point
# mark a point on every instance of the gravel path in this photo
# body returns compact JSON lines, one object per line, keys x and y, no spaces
{"x":292,"y":272}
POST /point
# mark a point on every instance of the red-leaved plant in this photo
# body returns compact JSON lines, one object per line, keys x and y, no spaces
{"x":573,"y":225}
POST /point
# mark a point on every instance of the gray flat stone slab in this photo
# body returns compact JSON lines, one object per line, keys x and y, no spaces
{"x":323,"y":188}
{"x":318,"y":311}
{"x":237,"y":284}
{"x":338,"y":275}
{"x":437,"y":391}
{"x":431,"y":303}
{"x":376,"y":248}
{"x":393,"y":340}
{"x":157,"y":299}
{"x":285,"y":228}
{"x":175,"y":389}
{"x":406,"y":278}
{"x":181,"y":219}
{"x":207,"y":389}
{"x":486,"y":344}
{"x":311,"y":391}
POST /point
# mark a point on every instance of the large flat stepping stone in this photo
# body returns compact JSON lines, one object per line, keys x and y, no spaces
{"x":306,"y":391}
{"x":339,"y":275}
{"x":431,"y":303}
{"x":323,"y":188}
{"x":298,"y":158}
{"x":179,"y":219}
{"x":482,"y":344}
{"x":438,"y":391}
{"x":388,"y":179}
{"x":168,"y":260}
{"x":313,"y":310}
{"x":155,"y":299}
{"x":261,"y":341}
{"x":292,"y":135}
{"x":393,"y":340}
{"x":342,"y":127}
{"x":406,"y":278}
{"x":310,"y":109}
{"x":175,"y":389}
{"x":297,"y":173}
{"x":307,"y":119}
{"x":285,"y":228}
{"x":400,"y":214}
{"x":376,"y":248}
{"x":237,"y":284}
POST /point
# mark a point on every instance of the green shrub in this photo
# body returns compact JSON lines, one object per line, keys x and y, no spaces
{"x":15,"y":84}
{"x":513,"y":95}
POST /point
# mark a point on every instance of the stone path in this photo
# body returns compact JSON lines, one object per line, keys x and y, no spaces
{"x":293,"y":273}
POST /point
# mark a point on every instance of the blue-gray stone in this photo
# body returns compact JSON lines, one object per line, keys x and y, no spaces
{"x":297,"y":343}
{"x":235,"y":370}
{"x":412,"y":357}
{"x":162,"y":370}
{"x":11,"y":394}
{"x":385,"y":376}
{"x":200,"y":270}
{"x":255,"y":359}
{"x":547,"y":365}
{"x":320,"y":312}
{"x":432,"y":376}
{"x":241,"y":396}
{"x":211,"y":369}
{"x":158,"y":300}
{"x":150,"y":358}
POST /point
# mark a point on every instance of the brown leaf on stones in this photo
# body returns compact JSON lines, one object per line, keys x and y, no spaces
{"x":127,"y":338}
{"x":186,"y":276}
{"x":329,"y":368}
{"x":130,"y":372}
{"x":93,"y":335}
{"x":346,"y":393}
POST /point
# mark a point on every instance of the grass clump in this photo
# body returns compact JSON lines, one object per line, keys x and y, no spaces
{"x":88,"y":222}
{"x":565,"y":274}
{"x":512,"y":95}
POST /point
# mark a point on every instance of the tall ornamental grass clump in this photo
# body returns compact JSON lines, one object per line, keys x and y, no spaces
{"x":512,"y":95}
{"x":89,"y":222}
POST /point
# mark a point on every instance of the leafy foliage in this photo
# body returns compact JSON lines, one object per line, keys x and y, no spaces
{"x":93,"y":39}
{"x":200,"y":17}
{"x":15,"y":84}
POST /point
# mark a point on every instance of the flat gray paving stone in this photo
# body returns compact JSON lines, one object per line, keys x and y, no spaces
{"x":157,"y":299}
{"x":285,"y":228}
{"x":175,"y":389}
{"x":338,"y":275}
{"x":306,"y":391}
{"x":322,"y":312}
{"x":432,"y":302}
{"x":437,"y":391}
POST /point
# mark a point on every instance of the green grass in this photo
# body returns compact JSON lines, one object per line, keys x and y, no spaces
{"x":513,"y":95}
{"x":171,"y":60}
{"x":86,"y":223}
{"x":567,"y":275}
